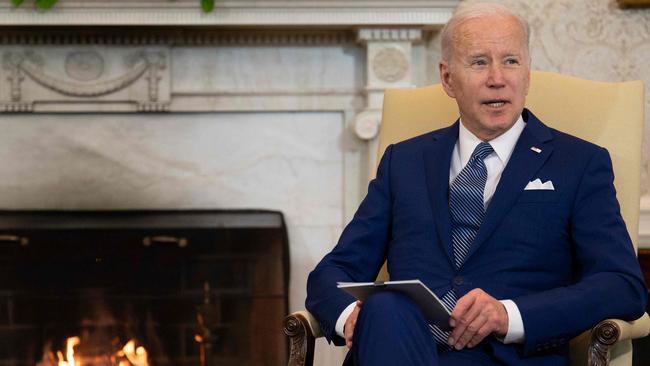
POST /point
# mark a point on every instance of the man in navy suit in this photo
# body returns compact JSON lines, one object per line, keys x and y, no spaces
{"x":542,"y":256}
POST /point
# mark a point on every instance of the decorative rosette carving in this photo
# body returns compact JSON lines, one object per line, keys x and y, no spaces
{"x":390,"y":64}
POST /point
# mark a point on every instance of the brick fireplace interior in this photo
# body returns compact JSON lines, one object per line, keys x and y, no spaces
{"x":191,"y":287}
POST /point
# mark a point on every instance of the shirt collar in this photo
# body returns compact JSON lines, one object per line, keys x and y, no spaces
{"x":503,"y":144}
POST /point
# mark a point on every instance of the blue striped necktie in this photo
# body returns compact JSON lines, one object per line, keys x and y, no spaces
{"x":467,"y":211}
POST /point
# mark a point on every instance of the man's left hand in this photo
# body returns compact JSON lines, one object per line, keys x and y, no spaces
{"x":477,"y":315}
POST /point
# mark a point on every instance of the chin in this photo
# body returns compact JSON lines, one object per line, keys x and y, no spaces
{"x":496,"y":128}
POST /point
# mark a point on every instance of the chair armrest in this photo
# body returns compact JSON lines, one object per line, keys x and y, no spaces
{"x":308,"y":320}
{"x":627,"y":330}
{"x":611,"y":331}
{"x":302,"y":329}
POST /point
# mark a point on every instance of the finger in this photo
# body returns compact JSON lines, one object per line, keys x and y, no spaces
{"x":466,"y":301}
{"x":480,"y":335}
{"x":350,"y":323}
{"x":470,"y":331}
{"x":463,"y":304}
{"x":349,"y":332}
{"x":464,"y":319}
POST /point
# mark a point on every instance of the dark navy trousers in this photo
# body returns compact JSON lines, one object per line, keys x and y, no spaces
{"x":391,"y":330}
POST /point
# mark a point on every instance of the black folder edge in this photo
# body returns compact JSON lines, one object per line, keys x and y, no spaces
{"x":431,"y":306}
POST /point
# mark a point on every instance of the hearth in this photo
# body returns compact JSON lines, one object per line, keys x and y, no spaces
{"x":129,"y":288}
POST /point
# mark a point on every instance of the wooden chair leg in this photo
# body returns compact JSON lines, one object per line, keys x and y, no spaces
{"x":301,"y":340}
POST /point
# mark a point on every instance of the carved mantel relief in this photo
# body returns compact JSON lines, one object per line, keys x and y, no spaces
{"x":390,"y":64}
{"x":85,"y":65}
{"x":85,"y":77}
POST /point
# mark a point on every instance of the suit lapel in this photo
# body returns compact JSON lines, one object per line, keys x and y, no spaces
{"x":437,"y":158}
{"x":522,"y":166}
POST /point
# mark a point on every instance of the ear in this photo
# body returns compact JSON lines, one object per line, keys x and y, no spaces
{"x":445,"y":78}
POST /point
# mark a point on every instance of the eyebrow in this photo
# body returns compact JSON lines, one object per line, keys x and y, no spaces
{"x":482,"y":54}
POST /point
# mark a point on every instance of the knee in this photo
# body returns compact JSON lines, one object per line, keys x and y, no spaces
{"x":387,"y":303}
{"x":390,"y":321}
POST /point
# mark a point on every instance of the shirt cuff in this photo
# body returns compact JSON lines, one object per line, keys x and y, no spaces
{"x":340,"y":323}
{"x":515,"y":323}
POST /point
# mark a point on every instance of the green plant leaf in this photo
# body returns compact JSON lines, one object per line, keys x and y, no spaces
{"x":207,"y":5}
{"x":17,"y":2}
{"x":45,"y":4}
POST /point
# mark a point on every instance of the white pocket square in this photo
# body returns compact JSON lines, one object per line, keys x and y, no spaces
{"x":538,"y":185}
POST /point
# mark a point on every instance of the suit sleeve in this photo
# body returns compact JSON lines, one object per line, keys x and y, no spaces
{"x":608,"y":280}
{"x":358,"y":255}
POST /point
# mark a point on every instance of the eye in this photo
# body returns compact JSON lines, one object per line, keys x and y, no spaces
{"x":478,"y":62}
{"x":512,"y":61}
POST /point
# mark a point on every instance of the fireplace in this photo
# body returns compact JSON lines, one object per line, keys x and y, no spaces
{"x":189,"y":287}
{"x":153,"y":104}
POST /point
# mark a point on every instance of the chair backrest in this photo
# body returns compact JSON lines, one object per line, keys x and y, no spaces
{"x":608,"y":114}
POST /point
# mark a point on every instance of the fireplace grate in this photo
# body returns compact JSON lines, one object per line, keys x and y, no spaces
{"x":192,"y":287}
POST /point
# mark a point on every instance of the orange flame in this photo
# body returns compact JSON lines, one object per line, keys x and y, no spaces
{"x":137,"y":356}
{"x":70,"y":343}
{"x":129,"y":355}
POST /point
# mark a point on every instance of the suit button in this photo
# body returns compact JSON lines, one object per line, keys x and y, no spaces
{"x":458,"y":280}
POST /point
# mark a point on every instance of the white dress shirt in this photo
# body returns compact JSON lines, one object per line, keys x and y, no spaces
{"x":503,"y":146}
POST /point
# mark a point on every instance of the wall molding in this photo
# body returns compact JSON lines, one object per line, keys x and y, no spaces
{"x":31,"y":36}
{"x":307,"y":13}
{"x":389,"y":35}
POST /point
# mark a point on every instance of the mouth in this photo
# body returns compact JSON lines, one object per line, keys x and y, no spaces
{"x":495,"y":103}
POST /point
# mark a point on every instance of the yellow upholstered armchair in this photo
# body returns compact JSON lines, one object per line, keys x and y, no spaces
{"x":608,"y":114}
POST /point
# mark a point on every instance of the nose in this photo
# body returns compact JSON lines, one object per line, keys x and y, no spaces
{"x":495,"y":77}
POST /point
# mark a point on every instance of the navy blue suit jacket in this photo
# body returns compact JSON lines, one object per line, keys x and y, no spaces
{"x":563,"y":256}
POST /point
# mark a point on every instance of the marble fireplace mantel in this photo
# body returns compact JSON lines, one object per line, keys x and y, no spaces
{"x":123,"y":104}
{"x":119,"y":55}
{"x":307,"y":13}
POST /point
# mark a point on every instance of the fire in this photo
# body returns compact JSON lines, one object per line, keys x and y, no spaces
{"x":70,"y":343}
{"x":137,"y":356}
{"x":129,"y":355}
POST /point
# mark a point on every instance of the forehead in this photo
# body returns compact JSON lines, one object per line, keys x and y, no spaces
{"x":483,"y":34}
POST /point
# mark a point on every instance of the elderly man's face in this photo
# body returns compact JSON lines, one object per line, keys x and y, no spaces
{"x":488,"y":74}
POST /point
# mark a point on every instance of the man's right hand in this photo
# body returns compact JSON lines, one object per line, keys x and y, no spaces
{"x":348,"y":328}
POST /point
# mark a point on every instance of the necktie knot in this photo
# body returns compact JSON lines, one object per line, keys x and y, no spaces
{"x":481,"y":151}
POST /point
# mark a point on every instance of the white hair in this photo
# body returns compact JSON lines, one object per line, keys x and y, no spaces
{"x":468,"y":11}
